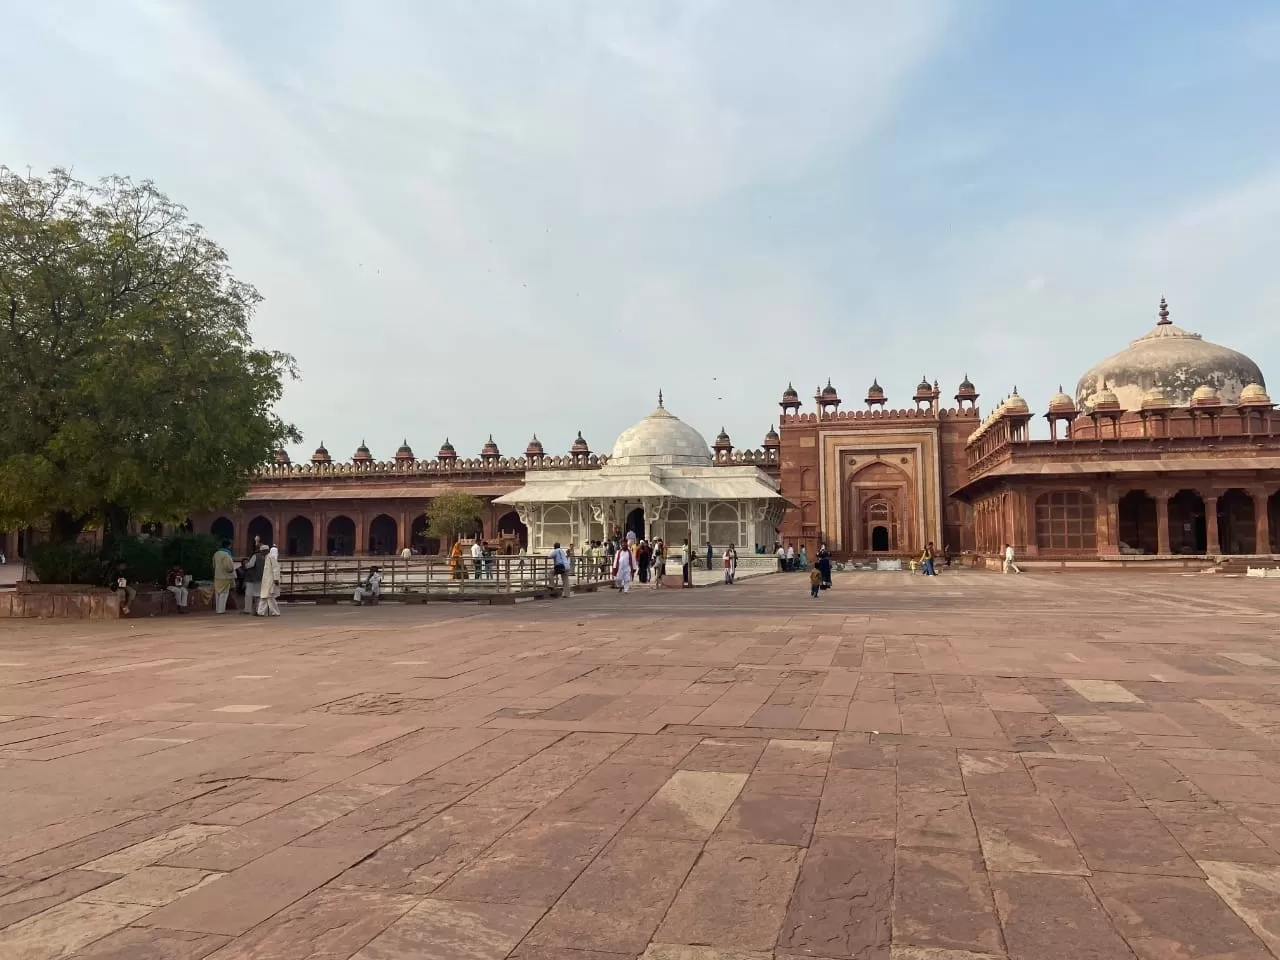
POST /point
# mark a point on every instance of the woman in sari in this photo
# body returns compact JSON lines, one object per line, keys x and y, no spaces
{"x":457,"y":570}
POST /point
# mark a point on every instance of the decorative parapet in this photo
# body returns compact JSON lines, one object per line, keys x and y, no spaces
{"x":950,"y":413}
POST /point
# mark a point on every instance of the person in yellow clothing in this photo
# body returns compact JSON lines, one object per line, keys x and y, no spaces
{"x":457,"y":569}
{"x":224,"y":576}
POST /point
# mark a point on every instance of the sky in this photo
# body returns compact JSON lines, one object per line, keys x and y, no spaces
{"x":512,"y":217}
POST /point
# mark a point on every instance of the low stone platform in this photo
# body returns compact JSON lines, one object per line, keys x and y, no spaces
{"x":967,"y":767}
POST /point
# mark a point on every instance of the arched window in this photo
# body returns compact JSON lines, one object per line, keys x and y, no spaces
{"x":1065,"y":520}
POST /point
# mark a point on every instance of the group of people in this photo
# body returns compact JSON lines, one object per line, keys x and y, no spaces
{"x":256,"y":578}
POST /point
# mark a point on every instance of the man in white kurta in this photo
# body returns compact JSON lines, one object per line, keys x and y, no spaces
{"x":624,"y":568}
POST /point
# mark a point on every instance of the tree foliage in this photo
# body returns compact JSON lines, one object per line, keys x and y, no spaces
{"x":130,"y":383}
{"x":454,"y":514}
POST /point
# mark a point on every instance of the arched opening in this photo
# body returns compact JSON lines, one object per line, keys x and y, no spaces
{"x":1186,"y":523}
{"x":722,"y":525}
{"x":1066,"y":520}
{"x":382,"y":536}
{"x":1137,"y":516}
{"x":419,"y":542}
{"x":223,"y":529}
{"x":513,"y":535}
{"x":341,"y":538}
{"x":1273,"y":523}
{"x":261,"y":528}
{"x":635,"y":523}
{"x":299,"y":538}
{"x":1237,"y":532}
{"x":557,"y":526}
{"x":878,"y":526}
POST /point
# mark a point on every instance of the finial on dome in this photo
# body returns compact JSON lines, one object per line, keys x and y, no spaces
{"x":660,"y":406}
{"x":1164,"y":320}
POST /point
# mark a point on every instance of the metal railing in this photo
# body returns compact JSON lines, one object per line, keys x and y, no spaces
{"x":422,"y":579}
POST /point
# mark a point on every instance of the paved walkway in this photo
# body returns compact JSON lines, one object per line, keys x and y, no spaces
{"x":970,"y":767}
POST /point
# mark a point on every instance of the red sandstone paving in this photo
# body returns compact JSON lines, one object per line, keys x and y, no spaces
{"x":928,"y":770}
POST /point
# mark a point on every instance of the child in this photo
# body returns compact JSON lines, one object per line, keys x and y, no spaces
{"x":815,"y":582}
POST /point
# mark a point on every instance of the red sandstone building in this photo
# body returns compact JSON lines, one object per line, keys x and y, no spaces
{"x":1169,"y":449}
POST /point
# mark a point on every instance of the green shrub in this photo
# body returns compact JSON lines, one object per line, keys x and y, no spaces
{"x":67,"y":563}
{"x":144,"y":555}
{"x":193,"y":552}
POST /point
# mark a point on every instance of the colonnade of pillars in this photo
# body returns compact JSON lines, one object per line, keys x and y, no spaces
{"x":1235,"y":521}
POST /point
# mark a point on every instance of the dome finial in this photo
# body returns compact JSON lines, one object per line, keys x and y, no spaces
{"x":1164,"y":320}
{"x":660,"y":406}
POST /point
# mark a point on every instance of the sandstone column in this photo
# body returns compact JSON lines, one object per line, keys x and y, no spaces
{"x":362,"y":533}
{"x":1211,"y":525}
{"x":1162,"y":523}
{"x":1262,"y":521}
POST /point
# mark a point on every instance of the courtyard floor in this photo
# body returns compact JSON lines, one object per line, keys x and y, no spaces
{"x":970,"y":767}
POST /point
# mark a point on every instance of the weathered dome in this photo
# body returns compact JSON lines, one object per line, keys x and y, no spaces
{"x":1061,"y":403}
{"x":1015,"y":404}
{"x":771,"y":439}
{"x":534,"y":449}
{"x":447,"y":452}
{"x":1206,"y":395}
{"x":490,"y":449}
{"x":722,"y":440}
{"x":967,"y":389}
{"x":280,"y":457}
{"x":362,"y":454}
{"x":405,"y":453}
{"x":790,"y":393}
{"x":1154,"y":399}
{"x":828,"y":390}
{"x":661,"y":438}
{"x":321,"y":455}
{"x":1254,"y":395}
{"x":1173,"y":359}
{"x":579,"y":447}
{"x":923,"y":389}
{"x":875,"y":390}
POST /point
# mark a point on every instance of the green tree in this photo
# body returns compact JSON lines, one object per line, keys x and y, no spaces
{"x":130,"y":383}
{"x":454,"y":514}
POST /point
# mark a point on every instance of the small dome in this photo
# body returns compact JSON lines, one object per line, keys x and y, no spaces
{"x":923,"y":389}
{"x":321,"y":455}
{"x":771,"y":438}
{"x":967,"y":390}
{"x":660,"y":438}
{"x":1173,"y":359}
{"x":580,"y":446}
{"x":828,"y":390}
{"x":1254,"y":395}
{"x":534,"y":449}
{"x":1154,"y":399}
{"x":1106,"y":400}
{"x":722,"y":440}
{"x":280,"y":457}
{"x":1015,"y":403}
{"x":875,"y":390}
{"x":362,"y":454}
{"x":790,"y":393}
{"x":1061,"y":403}
{"x":1205,"y":396}
{"x":405,"y":453}
{"x":446,"y":451}
{"x":490,"y":449}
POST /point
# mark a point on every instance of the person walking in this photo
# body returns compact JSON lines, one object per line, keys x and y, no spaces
{"x":804,"y":558}
{"x":644,"y":556}
{"x":791,"y":556}
{"x":823,"y":566}
{"x":559,"y":569}
{"x":782,"y":558}
{"x":686,"y":566}
{"x":1008,"y":559}
{"x":926,"y":559}
{"x":659,"y":562}
{"x":269,"y":587}
{"x":624,"y":567}
{"x":815,"y":582}
{"x":730,"y":564}
{"x":710,"y":551}
{"x":224,"y":576}
{"x":253,"y":573}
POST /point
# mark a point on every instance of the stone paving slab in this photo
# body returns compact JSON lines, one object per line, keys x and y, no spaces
{"x":959,"y":768}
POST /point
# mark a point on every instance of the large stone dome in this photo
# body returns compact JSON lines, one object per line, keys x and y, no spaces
{"x":1173,"y":361}
{"x":662,"y":439}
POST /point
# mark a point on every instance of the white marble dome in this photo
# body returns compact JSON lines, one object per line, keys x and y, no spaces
{"x":1170,"y":359}
{"x":663,"y":439}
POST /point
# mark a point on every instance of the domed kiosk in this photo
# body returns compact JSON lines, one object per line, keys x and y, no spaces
{"x":1172,"y":360}
{"x":661,"y":481}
